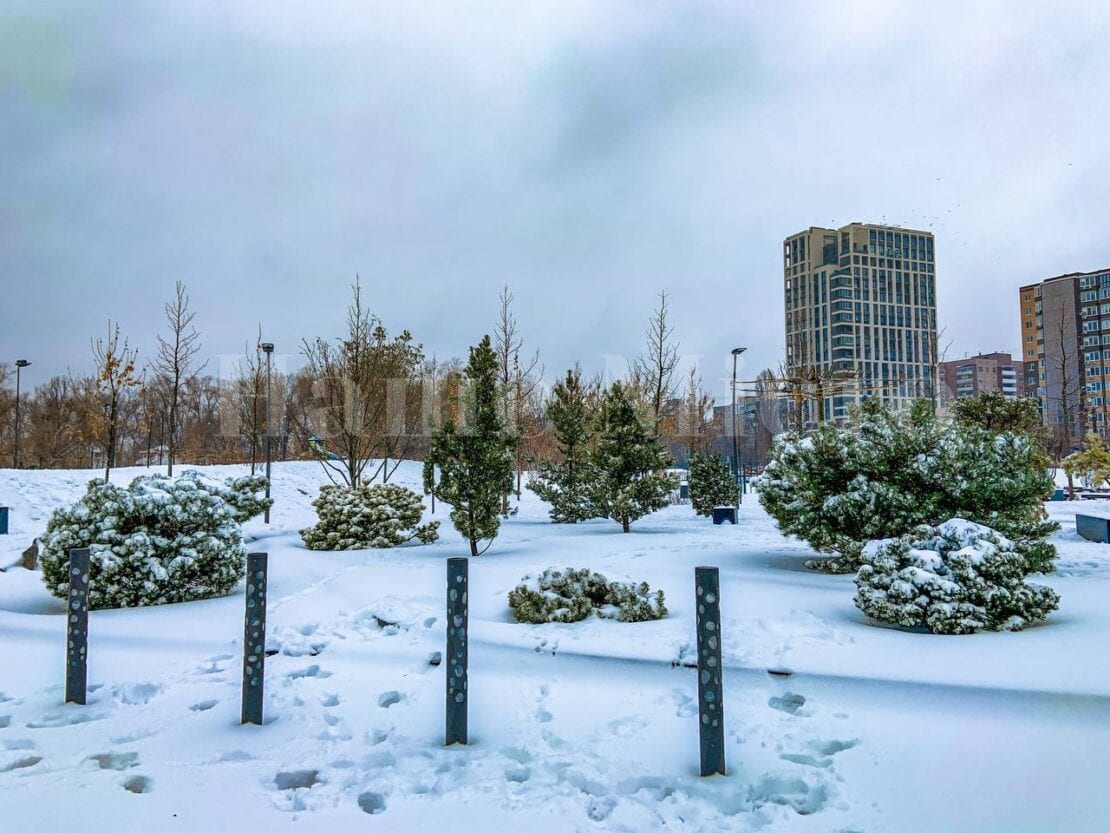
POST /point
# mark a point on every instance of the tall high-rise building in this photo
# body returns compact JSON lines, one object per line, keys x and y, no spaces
{"x":861,"y":315}
{"x":1065,"y":336}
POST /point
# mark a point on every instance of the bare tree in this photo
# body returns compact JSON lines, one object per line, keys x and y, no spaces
{"x":175,"y":364}
{"x":365,"y":396}
{"x":115,"y":377}
{"x":251,"y":390}
{"x":54,"y":424}
{"x":520,"y":381}
{"x":654,"y":372}
{"x":693,"y":427}
{"x":7,"y":411}
{"x":1065,"y":396}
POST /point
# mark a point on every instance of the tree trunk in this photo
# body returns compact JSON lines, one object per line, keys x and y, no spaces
{"x":625,"y":526}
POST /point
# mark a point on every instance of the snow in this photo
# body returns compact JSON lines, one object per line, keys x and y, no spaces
{"x":574,"y":727}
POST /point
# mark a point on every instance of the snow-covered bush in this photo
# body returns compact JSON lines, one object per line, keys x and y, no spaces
{"x":839,"y":488}
{"x":158,"y":541}
{"x":245,"y":495}
{"x":958,"y":577}
{"x":572,"y":595}
{"x":369,"y":516}
{"x":711,"y":483}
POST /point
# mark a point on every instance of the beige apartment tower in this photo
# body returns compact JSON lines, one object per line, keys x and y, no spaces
{"x":861,"y":312}
{"x":1065,"y":338}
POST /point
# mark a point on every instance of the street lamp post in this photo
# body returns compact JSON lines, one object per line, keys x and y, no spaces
{"x":736,"y":351}
{"x":268,"y":349}
{"x":19,"y":365}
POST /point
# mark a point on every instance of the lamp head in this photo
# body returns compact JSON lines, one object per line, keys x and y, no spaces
{"x":22,"y":363}
{"x":267,"y":347}
{"x":736,"y":351}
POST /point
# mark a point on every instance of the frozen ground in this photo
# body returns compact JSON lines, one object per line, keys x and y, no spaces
{"x":574,"y":728}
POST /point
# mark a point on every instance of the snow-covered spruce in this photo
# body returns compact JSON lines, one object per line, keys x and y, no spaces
{"x":573,"y":595}
{"x":369,"y":516}
{"x":158,"y":541}
{"x":711,"y":483}
{"x":630,"y":478}
{"x":839,"y":488}
{"x":958,"y":577}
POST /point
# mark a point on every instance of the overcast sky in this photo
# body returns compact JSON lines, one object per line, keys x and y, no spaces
{"x":586,"y":154}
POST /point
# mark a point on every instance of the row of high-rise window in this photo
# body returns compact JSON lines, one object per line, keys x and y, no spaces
{"x":914,"y":246}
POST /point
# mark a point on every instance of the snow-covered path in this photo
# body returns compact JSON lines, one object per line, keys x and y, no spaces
{"x":583,"y":727}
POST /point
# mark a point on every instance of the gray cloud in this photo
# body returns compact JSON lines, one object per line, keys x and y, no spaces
{"x":586,"y":154}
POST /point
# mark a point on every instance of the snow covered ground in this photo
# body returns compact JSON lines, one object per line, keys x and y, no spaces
{"x":578,"y":727}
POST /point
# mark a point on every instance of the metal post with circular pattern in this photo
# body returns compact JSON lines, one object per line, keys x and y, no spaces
{"x":77,"y":630}
{"x":711,"y":713}
{"x":457,"y":654}
{"x":254,"y":639}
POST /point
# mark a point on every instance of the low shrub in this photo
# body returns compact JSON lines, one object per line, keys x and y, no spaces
{"x":368,"y":516}
{"x":958,"y":577}
{"x":158,"y":541}
{"x":573,"y":595}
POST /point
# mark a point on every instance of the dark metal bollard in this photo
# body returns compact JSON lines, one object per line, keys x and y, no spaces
{"x":77,"y":629}
{"x":711,"y":712}
{"x":254,"y":639}
{"x":457,"y":624}
{"x":3,"y":520}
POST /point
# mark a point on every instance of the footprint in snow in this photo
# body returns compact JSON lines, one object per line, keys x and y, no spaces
{"x":389,"y":698}
{"x":22,"y":763}
{"x":372,"y":803}
{"x":204,"y":705}
{"x":788,"y":704}
{"x":138,"y":694}
{"x":118,"y":761}
{"x":138,"y":784}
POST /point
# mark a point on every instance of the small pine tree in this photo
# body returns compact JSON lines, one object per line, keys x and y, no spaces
{"x":994,"y":412}
{"x":956,"y":577}
{"x":1092,"y":464}
{"x":711,"y":483}
{"x":566,"y":484}
{"x":370,"y":516}
{"x":630,"y":478}
{"x":475,"y":461}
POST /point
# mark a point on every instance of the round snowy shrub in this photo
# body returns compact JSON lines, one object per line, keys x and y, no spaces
{"x":572,"y":595}
{"x":245,"y":495}
{"x":711,"y":483}
{"x":958,"y":577}
{"x":840,"y":487}
{"x":369,"y":516}
{"x":158,"y":541}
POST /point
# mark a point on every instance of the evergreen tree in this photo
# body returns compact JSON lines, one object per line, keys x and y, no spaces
{"x":840,"y":488}
{"x":994,"y":412}
{"x":711,"y":483}
{"x":566,"y":484}
{"x":1092,"y":464}
{"x":475,"y":460}
{"x":629,"y":464}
